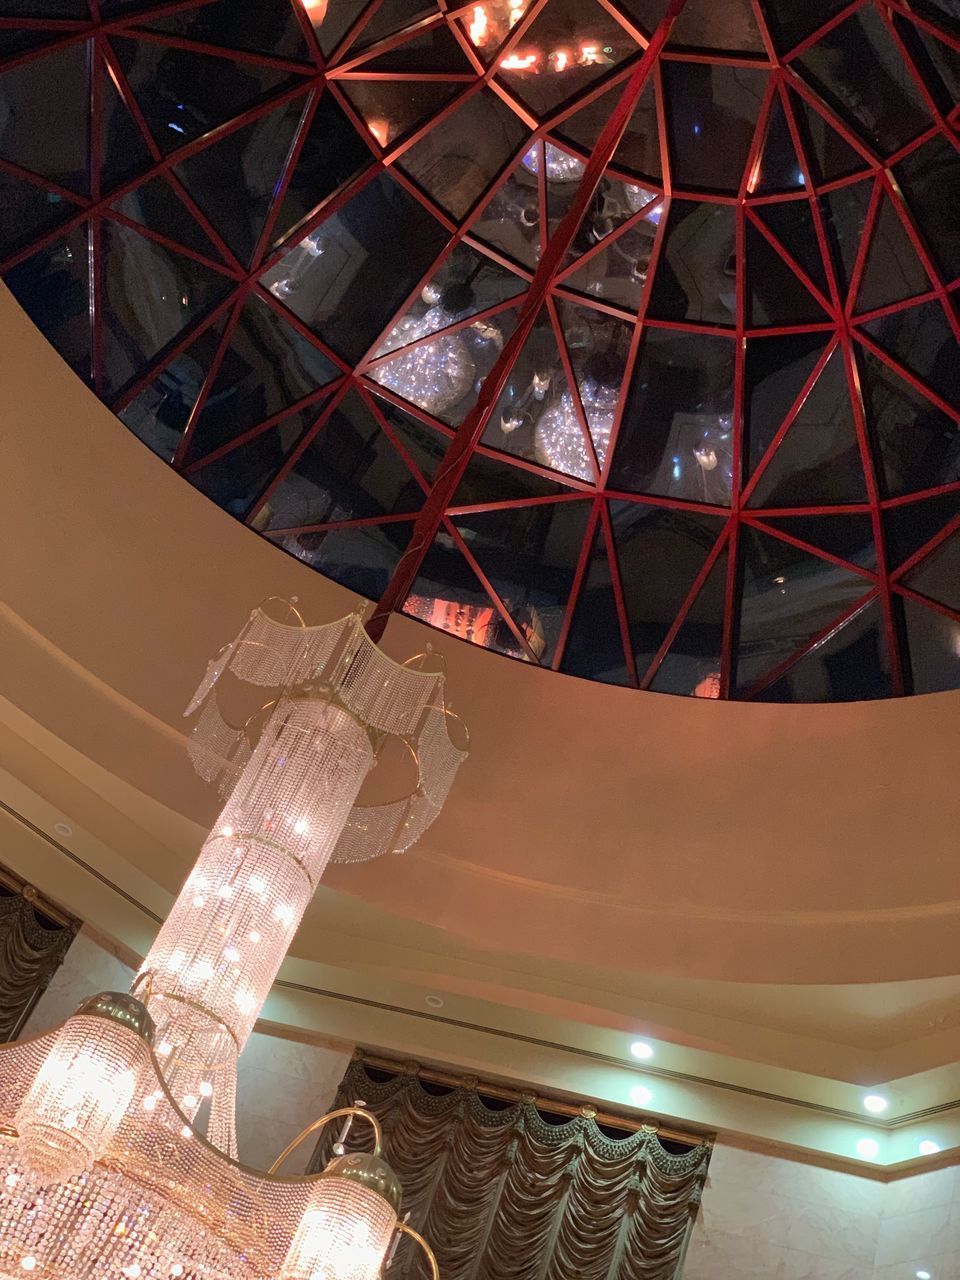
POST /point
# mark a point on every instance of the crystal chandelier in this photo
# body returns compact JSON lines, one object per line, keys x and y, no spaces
{"x":117,"y":1128}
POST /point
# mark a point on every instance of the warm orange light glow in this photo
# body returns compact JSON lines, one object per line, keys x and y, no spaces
{"x":519,"y":62}
{"x":479,"y":25}
{"x":708,"y":687}
{"x":590,"y":53}
{"x":754,"y":177}
{"x":317,"y":9}
{"x":380,"y":130}
{"x":560,"y":59}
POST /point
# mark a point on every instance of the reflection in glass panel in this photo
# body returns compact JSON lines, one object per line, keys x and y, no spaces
{"x":266,"y":368}
{"x":618,"y":273}
{"x":348,"y":274}
{"x":844,"y":218}
{"x":123,"y":148}
{"x":28,"y":212}
{"x":730,"y":27}
{"x":639,"y":149}
{"x":930,"y":180}
{"x":829,"y":155}
{"x":394,"y":108}
{"x":150,"y":295}
{"x":938,"y":576}
{"x":51,"y":286}
{"x":159,"y":414}
{"x":780,"y":168}
{"x":510,"y":220}
{"x":361,"y":559}
{"x":237,"y":479}
{"x":156,"y":206}
{"x":789,"y":22}
{"x":922,"y":340}
{"x":696,"y":276}
{"x":35,"y":131}
{"x":791,"y":221}
{"x":775,"y":370}
{"x":850,"y":537}
{"x":425,"y":446}
{"x":892,"y":271}
{"x":919,"y":444}
{"x":492,"y":479}
{"x":570,"y":45}
{"x":530,"y":556}
{"x":391,"y":16}
{"x":598,"y":346}
{"x":260,"y":26}
{"x":462,"y":154}
{"x":711,"y":114}
{"x":676,"y":434}
{"x":776,"y":296}
{"x":348,"y":471}
{"x":660,"y":553}
{"x":691,"y":666}
{"x":594,"y":647}
{"x":431,"y":51}
{"x":852,"y":664}
{"x":910,"y":525}
{"x":884,"y":107}
{"x":788,"y":597}
{"x":934,"y":646}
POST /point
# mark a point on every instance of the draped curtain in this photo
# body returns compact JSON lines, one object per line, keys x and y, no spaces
{"x":32,"y":946}
{"x":511,"y":1192}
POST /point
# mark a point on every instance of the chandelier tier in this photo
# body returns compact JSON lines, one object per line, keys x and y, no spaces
{"x":117,"y":1129}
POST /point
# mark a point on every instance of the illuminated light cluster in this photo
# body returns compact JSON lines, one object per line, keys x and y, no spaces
{"x":559,"y":437}
{"x":588,"y":54}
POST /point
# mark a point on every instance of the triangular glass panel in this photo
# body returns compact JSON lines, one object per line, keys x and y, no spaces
{"x":849,"y":537}
{"x":845,"y":218}
{"x":487,"y":26}
{"x":435,"y":51}
{"x":361,"y":558}
{"x":691,"y":666}
{"x":594,"y":647}
{"x":932,"y":642}
{"x":618,"y":272}
{"x":937,"y":62}
{"x":156,"y":206}
{"x":921,"y":339}
{"x":390,"y":17}
{"x":886,"y":110}
{"x":776,"y":295}
{"x":530,"y":556}
{"x":924,"y":175}
{"x":123,"y":149}
{"x":14,"y":42}
{"x":39,"y":136}
{"x":536,"y":416}
{"x":254,"y":26}
{"x":829,"y":155}
{"x":331,"y":21}
{"x":788,"y":597}
{"x":346,"y":276}
{"x":553,"y":63}
{"x":696,"y":276}
{"x":790,"y":23}
{"x":911,"y":525}
{"x":791,"y":221}
{"x":818,"y":462}
{"x":425,"y":446}
{"x":676,"y":437}
{"x":615,"y":203}
{"x":919,"y":444}
{"x":267,"y":367}
{"x":467,"y":282}
{"x":393,"y":108}
{"x":938,"y":576}
{"x":639,"y":149}
{"x":660,"y":552}
{"x":464,"y":151}
{"x":728,"y":28}
{"x":159,"y":414}
{"x":184,"y":95}
{"x":780,"y":168}
{"x":333,"y":153}
{"x":892,"y":271}
{"x":236,"y":479}
{"x":234,"y":181}
{"x":598,"y":345}
{"x":150,"y":295}
{"x":488,"y":479}
{"x":511,"y":220}
{"x":443,"y":375}
{"x":775,"y":371}
{"x":448,"y":595}
{"x":711,"y":115}
{"x":52,"y":286}
{"x":851,"y":665}
{"x":348,"y":471}
{"x":28,"y":212}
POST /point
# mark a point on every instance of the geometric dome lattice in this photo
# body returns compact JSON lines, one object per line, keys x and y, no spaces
{"x":675,"y":410}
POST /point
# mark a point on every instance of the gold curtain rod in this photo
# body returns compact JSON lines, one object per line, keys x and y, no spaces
{"x":507,"y":1094}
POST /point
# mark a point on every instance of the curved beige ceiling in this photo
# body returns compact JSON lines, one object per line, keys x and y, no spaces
{"x":593,"y":825}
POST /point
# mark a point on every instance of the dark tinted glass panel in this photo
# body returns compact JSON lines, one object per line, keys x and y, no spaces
{"x":393,"y":108}
{"x":711,"y":117}
{"x":789,"y":22}
{"x":361,"y":559}
{"x":123,"y":149}
{"x":791,"y":221}
{"x":892,"y":271}
{"x":52,"y":287}
{"x":35,"y":132}
{"x":259,"y":26}
{"x":692,"y":663}
{"x":696,"y":272}
{"x":676,"y":434}
{"x":930,"y":180}
{"x":909,"y":526}
{"x":919,"y":445}
{"x":236,"y":479}
{"x":938,"y":576}
{"x":435,"y":51}
{"x":594,"y":647}
{"x":639,"y":149}
{"x":155,"y":205}
{"x":921,"y":339}
{"x":489,"y":479}
{"x":776,"y":294}
{"x":848,"y":536}
{"x":851,"y":665}
{"x":829,"y":154}
{"x":932,"y":642}
{"x":776,"y":370}
{"x":730,"y":27}
{"x":780,"y":168}
{"x":423,"y":445}
{"x":27,"y":212}
{"x":844,"y":219}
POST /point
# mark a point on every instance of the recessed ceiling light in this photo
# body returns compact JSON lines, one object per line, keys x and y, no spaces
{"x":875,"y":1102}
{"x":924,"y":1275}
{"x":868,"y":1148}
{"x":640,"y":1095}
{"x":640,"y":1049}
{"x":928,"y":1148}
{"x":434,"y":1002}
{"x":63,"y":829}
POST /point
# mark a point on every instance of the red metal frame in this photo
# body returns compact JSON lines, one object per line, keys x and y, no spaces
{"x":544,"y":287}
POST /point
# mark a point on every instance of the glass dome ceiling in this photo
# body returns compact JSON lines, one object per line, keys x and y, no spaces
{"x":673,"y":408}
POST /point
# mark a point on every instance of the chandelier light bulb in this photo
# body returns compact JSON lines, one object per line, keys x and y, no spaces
{"x":79,"y":1096}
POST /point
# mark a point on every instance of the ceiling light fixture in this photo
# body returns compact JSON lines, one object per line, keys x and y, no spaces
{"x":640,"y":1095}
{"x":108,"y":1172}
{"x":640,"y":1049}
{"x":875,"y":1102}
{"x":924,"y":1275}
{"x":928,"y":1148}
{"x":63,"y":829}
{"x":868,"y":1148}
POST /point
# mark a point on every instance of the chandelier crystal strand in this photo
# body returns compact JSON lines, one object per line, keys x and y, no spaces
{"x":140,"y":1194}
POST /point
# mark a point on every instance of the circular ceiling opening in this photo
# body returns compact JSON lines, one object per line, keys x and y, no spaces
{"x":682,"y":419}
